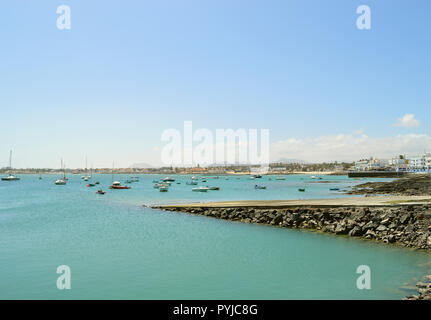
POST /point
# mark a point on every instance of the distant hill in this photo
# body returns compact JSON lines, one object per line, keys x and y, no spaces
{"x":289,"y":161}
{"x":140,"y":165}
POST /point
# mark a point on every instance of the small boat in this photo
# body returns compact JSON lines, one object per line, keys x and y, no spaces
{"x":91,"y":185}
{"x":163,"y":189}
{"x":191,"y":183}
{"x":259,"y":187}
{"x":60,"y":182}
{"x":168,"y":179}
{"x":100,"y":192}
{"x":97,"y":182}
{"x":10,"y":177}
{"x":161,"y":185}
{"x":313,"y":177}
{"x":334,"y":189}
{"x":117,"y":185}
{"x":213,"y":188}
{"x":155,"y":181}
{"x":280,"y":178}
{"x":301,"y":190}
{"x":201,"y":189}
{"x":204,"y":181}
{"x":257,"y":176}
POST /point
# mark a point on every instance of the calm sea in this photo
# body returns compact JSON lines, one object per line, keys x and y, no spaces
{"x":116,"y":248}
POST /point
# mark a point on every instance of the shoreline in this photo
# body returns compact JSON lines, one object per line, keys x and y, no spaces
{"x":396,"y":220}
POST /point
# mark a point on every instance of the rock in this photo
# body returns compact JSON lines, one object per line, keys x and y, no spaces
{"x":278,"y":219}
{"x":356,"y":232}
{"x":382,"y":228}
{"x":404,"y":218}
{"x":340,"y":228}
{"x":423,"y":285}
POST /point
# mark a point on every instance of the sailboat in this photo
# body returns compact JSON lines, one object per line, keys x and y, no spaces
{"x":10,"y":177}
{"x":63,"y":181}
{"x":86,"y":177}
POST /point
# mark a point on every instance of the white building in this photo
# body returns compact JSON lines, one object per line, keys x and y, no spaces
{"x":419,"y":163}
{"x":371,"y":164}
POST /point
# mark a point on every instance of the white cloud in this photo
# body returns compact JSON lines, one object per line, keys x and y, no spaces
{"x":408,"y":121}
{"x":349,"y":147}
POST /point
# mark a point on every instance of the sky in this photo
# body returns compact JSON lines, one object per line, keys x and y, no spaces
{"x":125,"y":71}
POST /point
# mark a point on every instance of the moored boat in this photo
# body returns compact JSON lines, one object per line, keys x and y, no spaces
{"x":200,"y":189}
{"x":100,"y":192}
{"x":10,"y":177}
{"x":259,"y":187}
{"x":117,"y":185}
{"x":301,"y":190}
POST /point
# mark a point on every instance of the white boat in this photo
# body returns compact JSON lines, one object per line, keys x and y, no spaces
{"x":10,"y":177}
{"x":86,"y":177}
{"x":62,"y":181}
{"x":168,"y":179}
{"x":201,"y":189}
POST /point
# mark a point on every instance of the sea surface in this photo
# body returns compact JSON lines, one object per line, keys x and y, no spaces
{"x":118,"y":249}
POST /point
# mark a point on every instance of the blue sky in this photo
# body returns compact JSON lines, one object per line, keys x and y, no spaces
{"x":128,"y":70}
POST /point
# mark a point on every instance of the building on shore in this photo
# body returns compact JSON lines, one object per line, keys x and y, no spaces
{"x":421,"y":163}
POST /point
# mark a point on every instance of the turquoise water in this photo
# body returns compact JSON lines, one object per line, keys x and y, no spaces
{"x":116,"y":248}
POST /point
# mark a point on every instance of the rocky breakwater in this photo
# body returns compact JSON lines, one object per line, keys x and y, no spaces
{"x":406,"y":225}
{"x":413,"y":185}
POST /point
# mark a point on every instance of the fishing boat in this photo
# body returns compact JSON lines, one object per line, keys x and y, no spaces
{"x":100,"y":192}
{"x":213,"y":188}
{"x":301,"y":190}
{"x":62,"y":181}
{"x":10,"y":177}
{"x":200,"y":189}
{"x":259,"y":187}
{"x":117,"y":185}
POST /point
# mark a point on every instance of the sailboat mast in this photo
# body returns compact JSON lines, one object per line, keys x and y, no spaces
{"x":112,"y":178}
{"x":10,"y":160}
